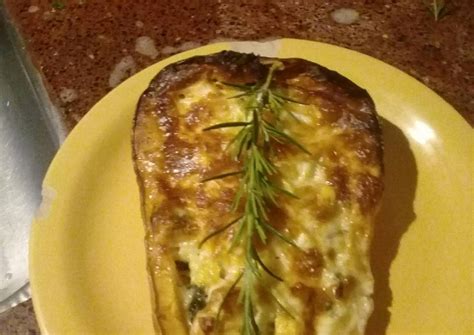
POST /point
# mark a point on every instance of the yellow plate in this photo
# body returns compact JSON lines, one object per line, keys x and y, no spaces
{"x":87,"y":257}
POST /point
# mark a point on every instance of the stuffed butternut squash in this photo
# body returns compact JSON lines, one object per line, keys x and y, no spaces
{"x":260,"y":179}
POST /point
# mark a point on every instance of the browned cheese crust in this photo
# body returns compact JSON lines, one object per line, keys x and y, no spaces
{"x":337,"y":124}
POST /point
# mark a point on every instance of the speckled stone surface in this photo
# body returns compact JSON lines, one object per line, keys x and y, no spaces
{"x":19,"y":320}
{"x":76,"y":48}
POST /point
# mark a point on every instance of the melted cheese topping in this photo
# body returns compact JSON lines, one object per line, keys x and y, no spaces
{"x":327,"y":283}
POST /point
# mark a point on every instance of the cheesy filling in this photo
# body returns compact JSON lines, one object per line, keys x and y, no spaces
{"x":337,"y":237}
{"x":327,"y":283}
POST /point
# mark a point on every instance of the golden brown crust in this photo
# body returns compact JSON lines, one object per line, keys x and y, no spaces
{"x":167,"y":143}
{"x":343,"y":103}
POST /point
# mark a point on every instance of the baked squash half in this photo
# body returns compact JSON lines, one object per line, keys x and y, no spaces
{"x":260,"y":179}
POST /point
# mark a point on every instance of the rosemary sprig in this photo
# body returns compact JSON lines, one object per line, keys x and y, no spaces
{"x":256,"y":192}
{"x":437,"y":8}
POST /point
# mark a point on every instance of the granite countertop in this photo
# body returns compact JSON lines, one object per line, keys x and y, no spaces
{"x":84,"y":48}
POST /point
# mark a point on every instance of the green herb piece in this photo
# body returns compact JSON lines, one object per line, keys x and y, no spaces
{"x":224,"y":175}
{"x":58,"y":4}
{"x":283,"y":308}
{"x":437,"y":8}
{"x":249,"y":326}
{"x":227,"y":125}
{"x":257,"y":192}
{"x":198,"y":300}
{"x":218,"y":231}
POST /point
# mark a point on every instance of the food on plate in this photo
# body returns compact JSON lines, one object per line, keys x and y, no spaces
{"x":260,"y":179}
